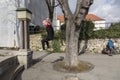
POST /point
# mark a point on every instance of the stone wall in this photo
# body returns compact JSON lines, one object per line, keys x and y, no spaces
{"x":93,"y":45}
{"x":97,"y":45}
{"x":35,"y":42}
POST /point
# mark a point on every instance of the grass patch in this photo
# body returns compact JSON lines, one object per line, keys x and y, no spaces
{"x":82,"y":67}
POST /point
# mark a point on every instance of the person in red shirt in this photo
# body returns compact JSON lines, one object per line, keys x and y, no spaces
{"x":50,"y":33}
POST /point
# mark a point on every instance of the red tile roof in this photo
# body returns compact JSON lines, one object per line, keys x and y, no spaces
{"x":93,"y":17}
{"x":90,"y":17}
{"x":61,"y":18}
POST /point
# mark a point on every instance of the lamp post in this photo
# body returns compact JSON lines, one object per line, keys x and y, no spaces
{"x":24,"y":55}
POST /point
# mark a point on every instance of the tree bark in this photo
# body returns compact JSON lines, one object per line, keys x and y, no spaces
{"x":51,"y":6}
{"x":71,"y":44}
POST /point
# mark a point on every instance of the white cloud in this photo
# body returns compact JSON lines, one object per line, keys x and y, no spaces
{"x":107,"y":9}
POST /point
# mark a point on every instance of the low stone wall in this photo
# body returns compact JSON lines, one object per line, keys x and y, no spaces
{"x":97,"y":45}
{"x":93,"y":45}
{"x":35,"y":42}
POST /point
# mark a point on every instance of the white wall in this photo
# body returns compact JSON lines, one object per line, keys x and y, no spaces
{"x":9,"y":25}
{"x":56,"y":24}
{"x":100,"y":25}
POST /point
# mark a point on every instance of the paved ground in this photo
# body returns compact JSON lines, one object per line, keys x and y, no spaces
{"x":106,"y":67}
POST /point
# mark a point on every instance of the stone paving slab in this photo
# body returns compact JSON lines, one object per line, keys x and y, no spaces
{"x":106,"y":67}
{"x":2,"y":58}
{"x":4,"y":54}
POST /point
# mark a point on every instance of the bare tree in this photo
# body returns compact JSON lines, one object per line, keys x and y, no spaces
{"x":73,"y":22}
{"x":51,"y":4}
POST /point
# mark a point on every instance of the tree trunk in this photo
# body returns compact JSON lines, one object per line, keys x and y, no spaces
{"x":51,"y":13}
{"x":71,"y":44}
{"x":73,"y":22}
{"x":51,"y":6}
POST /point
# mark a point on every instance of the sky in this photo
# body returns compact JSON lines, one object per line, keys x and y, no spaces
{"x":106,"y":9}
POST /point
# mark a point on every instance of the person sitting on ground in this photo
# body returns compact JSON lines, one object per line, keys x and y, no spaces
{"x":110,"y":46}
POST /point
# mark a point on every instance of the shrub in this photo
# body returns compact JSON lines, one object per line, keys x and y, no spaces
{"x":42,"y":32}
{"x":86,"y":30}
{"x":62,"y":32}
{"x":113,"y":32}
{"x":115,"y":26}
{"x":56,"y":46}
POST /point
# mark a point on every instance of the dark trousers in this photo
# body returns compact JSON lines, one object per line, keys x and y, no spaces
{"x":45,"y":41}
{"x":111,"y":51}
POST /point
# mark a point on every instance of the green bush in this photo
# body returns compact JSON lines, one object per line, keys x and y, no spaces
{"x":115,"y":26}
{"x":43,"y":32}
{"x":86,"y":30}
{"x":113,"y":32}
{"x":56,"y":46}
{"x":62,"y":32}
{"x":102,"y":34}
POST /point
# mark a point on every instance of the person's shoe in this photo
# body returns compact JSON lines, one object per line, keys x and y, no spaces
{"x":41,"y":49}
{"x":49,"y":49}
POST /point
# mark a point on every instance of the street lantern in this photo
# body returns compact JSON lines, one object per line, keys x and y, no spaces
{"x":23,"y":13}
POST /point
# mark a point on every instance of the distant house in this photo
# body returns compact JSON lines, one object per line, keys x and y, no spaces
{"x":57,"y":23}
{"x":98,"y":22}
{"x":61,"y":19}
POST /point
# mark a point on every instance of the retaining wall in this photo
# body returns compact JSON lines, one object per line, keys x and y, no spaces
{"x":93,"y":45}
{"x":9,"y":66}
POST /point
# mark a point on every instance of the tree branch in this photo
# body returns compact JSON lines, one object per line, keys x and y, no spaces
{"x":56,"y":5}
{"x":82,"y":10}
{"x":50,"y":5}
{"x":65,"y":8}
{"x":48,"y":2}
{"x":78,"y":6}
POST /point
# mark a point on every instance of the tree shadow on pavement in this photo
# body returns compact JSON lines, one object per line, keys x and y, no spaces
{"x":60,"y":59}
{"x":40,"y":58}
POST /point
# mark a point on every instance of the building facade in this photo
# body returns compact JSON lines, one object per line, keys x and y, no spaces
{"x":9,"y":24}
{"x":99,"y":23}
